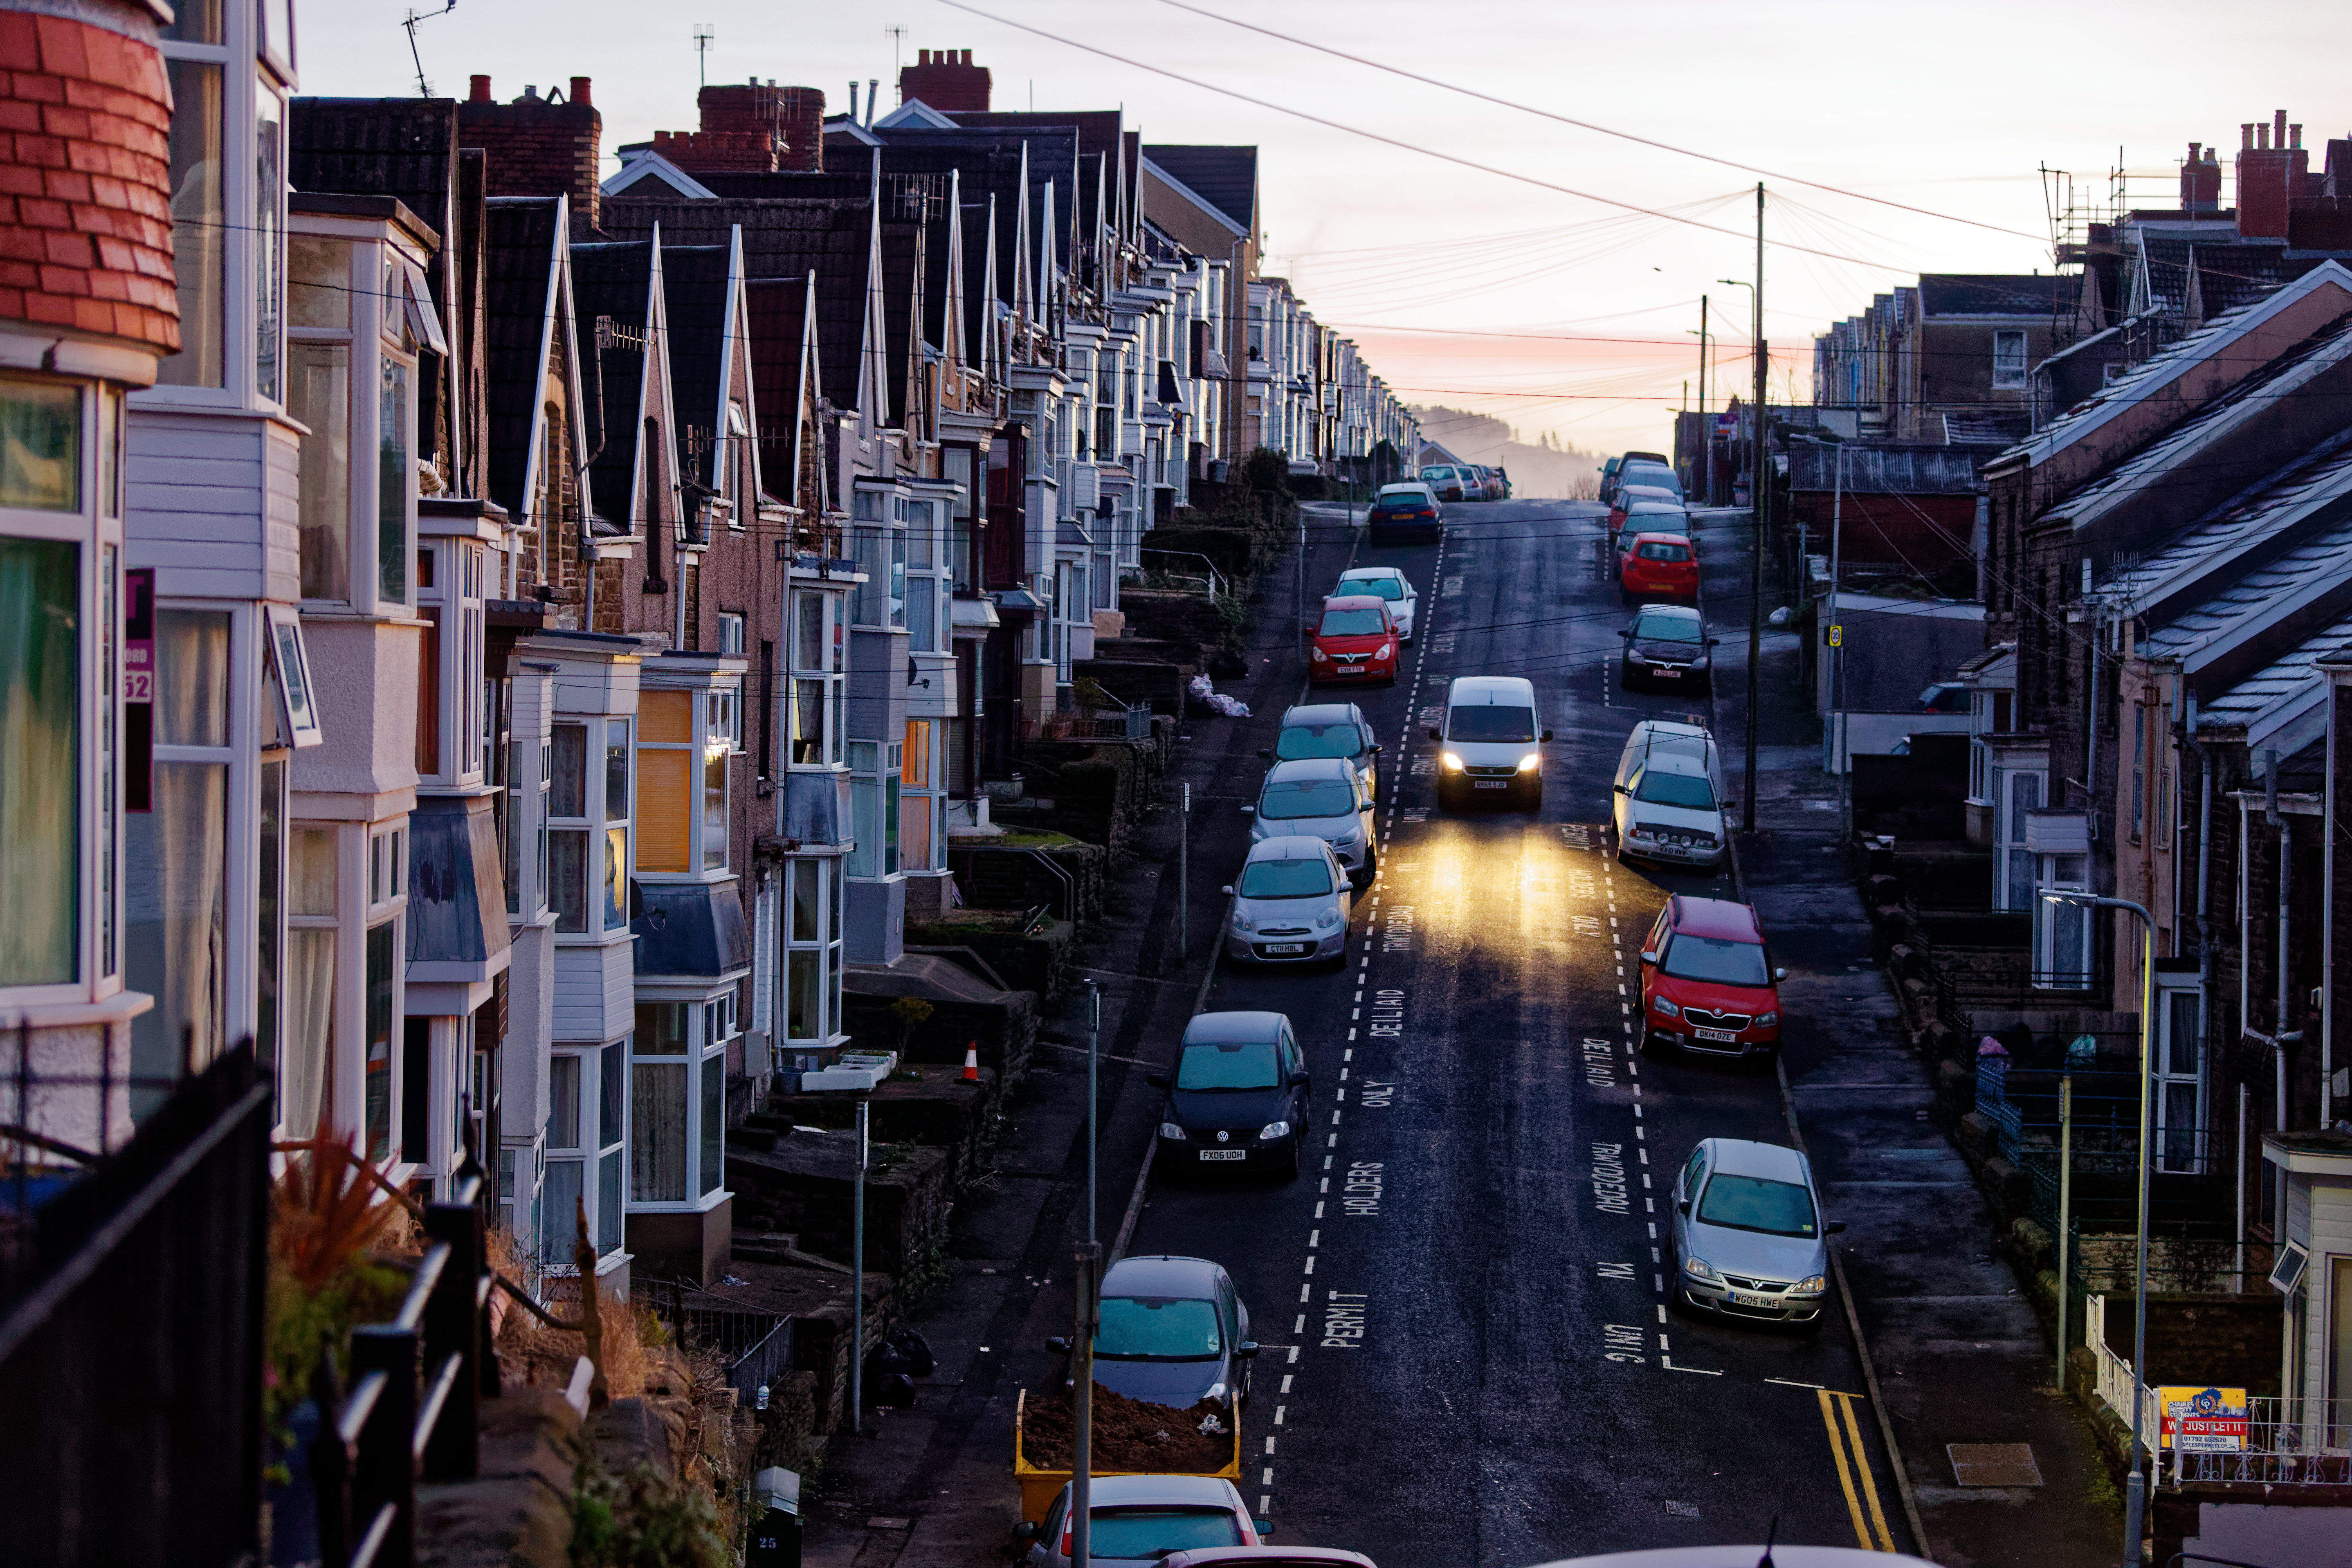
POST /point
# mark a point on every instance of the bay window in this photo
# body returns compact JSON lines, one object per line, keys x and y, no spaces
{"x":309,"y":1025}
{"x":199,"y":198}
{"x":811,"y":950}
{"x":585,"y":1146}
{"x":568,"y":828}
{"x":878,"y":546}
{"x":874,"y":791}
{"x":40,"y":744}
{"x":685,"y":747}
{"x":678,"y":1101}
{"x":816,"y":649}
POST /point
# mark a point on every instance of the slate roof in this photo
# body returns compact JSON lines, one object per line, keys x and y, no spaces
{"x":1224,"y":177}
{"x":402,"y":147}
{"x":1883,"y":470}
{"x":2248,"y":530}
{"x":2312,"y":576}
{"x":522,"y":255}
{"x":615,"y":278}
{"x":2291,"y":677}
{"x":693,"y":299}
{"x":776,"y":310}
{"x":2227,"y":276}
{"x":1993,"y":294}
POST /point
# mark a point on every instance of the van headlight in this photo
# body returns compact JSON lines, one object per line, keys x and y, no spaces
{"x":1452,"y":763}
{"x":1531,"y":762}
{"x":1172,"y":1132}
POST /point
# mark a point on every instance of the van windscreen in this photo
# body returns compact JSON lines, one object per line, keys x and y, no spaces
{"x":1485,"y":722}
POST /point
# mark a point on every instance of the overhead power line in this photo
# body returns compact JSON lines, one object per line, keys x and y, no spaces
{"x":1603,"y":129}
{"x":1267,"y":103}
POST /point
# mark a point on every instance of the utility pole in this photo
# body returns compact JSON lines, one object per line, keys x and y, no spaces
{"x":1757,"y":492}
{"x":857,"y":1286}
{"x":1837,"y":654}
{"x":1094,"y":1098}
{"x":1705,"y":436}
{"x":1082,"y":1406}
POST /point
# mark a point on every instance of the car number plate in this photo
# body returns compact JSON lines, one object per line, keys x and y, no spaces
{"x":1490,"y":784}
{"x":1286,"y":947}
{"x":1224,"y":1153}
{"x":1716,"y":1034}
{"x":1668,"y":674}
{"x":1742,"y":1298}
{"x":1351,"y":669}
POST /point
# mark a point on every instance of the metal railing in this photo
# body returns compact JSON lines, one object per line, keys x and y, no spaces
{"x":414,"y":1404}
{"x":2113,"y":1381}
{"x":2289,"y":1442}
{"x":754,"y":1347}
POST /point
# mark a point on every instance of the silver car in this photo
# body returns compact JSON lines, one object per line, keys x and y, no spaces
{"x":1140,"y":1520}
{"x":1749,"y":1237}
{"x":1291,"y":904}
{"x":1322,"y":798}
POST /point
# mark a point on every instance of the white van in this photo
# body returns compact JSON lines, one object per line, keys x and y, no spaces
{"x":1491,"y":744}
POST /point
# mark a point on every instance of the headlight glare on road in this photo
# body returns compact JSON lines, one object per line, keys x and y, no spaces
{"x":1665,"y":1008}
{"x":1452,"y":763}
{"x":1766,"y":1020}
{"x":1813,"y":1285}
{"x":1173,"y":1133}
{"x":1531,"y":762}
{"x":1697,"y":1268}
{"x":1272,"y":1131}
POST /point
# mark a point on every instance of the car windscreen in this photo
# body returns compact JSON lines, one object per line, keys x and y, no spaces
{"x":1690,"y":956}
{"x":1657,"y":550}
{"x":1156,"y":1327}
{"x":1377,"y":587}
{"x":1150,"y":1532}
{"x":1360,"y":623}
{"x":1295,"y":798}
{"x":1675,"y":789}
{"x":1229,"y":1064}
{"x":1298,"y":741}
{"x":1667,"y":629}
{"x":1484,"y":722}
{"x":1285,"y":880}
{"x":1649,"y":474}
{"x":1753,"y":1203}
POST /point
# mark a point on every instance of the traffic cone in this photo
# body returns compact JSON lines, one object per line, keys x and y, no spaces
{"x":972,"y":1062}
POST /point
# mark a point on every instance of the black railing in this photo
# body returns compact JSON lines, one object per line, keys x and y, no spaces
{"x":414,"y":1404}
{"x":754,"y":1347}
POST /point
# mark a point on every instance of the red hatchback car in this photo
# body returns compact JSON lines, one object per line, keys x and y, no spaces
{"x":1658,"y":566}
{"x":1708,"y":983}
{"x":1355,"y":642}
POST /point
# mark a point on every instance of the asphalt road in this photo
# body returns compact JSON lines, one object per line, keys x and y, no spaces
{"x":1469,"y":1357}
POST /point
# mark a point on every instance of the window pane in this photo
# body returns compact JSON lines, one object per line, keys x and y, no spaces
{"x":865,"y":825}
{"x":615,"y":1069}
{"x":803,"y":992}
{"x":616,"y":771}
{"x":378,"y":1040}
{"x":191,"y":678}
{"x":40,"y":444}
{"x":664,"y":782}
{"x":657,"y":1122}
{"x":568,"y":795}
{"x":271,"y":911}
{"x":2180,"y":1050}
{"x":40,"y":745}
{"x":312,"y":886}
{"x":563,"y":1102}
{"x":807,"y":881}
{"x":319,"y":396}
{"x":915,"y":832}
{"x":713,"y":1130}
{"x":808,"y":644}
{"x":922,"y":613}
{"x":310,"y":1028}
{"x":714,"y":805}
{"x":608,"y":1196}
{"x":319,"y":282}
{"x":560,"y":1212}
{"x":176,"y":934}
{"x":269,"y":199}
{"x":889,"y":823}
{"x":393,"y":480}
{"x":661,"y":1028}
{"x":199,"y":223}
{"x":616,"y":878}
{"x":195,"y":22}
{"x":567,"y":878}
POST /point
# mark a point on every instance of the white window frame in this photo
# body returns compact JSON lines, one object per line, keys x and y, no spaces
{"x":2010,"y":373}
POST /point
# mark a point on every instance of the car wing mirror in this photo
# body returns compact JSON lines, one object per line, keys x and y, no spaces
{"x":1433,"y":735}
{"x":1265,"y":1528}
{"x":1546,"y":737}
{"x":1376,"y":750}
{"x":1249,"y":811}
{"x":1059,"y":1344}
{"x":1298,"y":1077}
{"x":1227,"y":890}
{"x":1627,"y":634}
{"x":1025,"y":1531}
{"x":1715,"y":642}
{"x":1650,"y":957}
{"x":1780,"y":974}
{"x":1266,"y":752}
{"x":1683,"y":1208}
{"x":1834,"y":1227}
{"x":1157,"y":1079}
{"x":1618,"y":788}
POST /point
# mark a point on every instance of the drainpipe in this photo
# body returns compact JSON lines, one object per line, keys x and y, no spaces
{"x":2091,"y":711}
{"x":2204,"y":843}
{"x":2278,"y":1036}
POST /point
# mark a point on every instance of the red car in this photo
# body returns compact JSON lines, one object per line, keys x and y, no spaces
{"x":1708,"y":983}
{"x":1355,"y":642}
{"x":1658,"y":566}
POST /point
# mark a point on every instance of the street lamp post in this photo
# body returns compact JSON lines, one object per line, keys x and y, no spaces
{"x":1756,"y":494}
{"x":2136,"y":1491}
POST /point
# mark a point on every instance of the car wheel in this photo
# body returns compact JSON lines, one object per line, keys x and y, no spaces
{"x":1290,"y":1171}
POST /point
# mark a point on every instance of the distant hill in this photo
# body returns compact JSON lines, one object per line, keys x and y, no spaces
{"x":1543,"y":468}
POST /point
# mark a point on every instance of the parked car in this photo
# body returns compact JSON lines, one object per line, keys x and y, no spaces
{"x":1320,"y":796}
{"x":1503,"y":476}
{"x":1708,"y":983}
{"x":1290,"y":904}
{"x":1267,"y":1557}
{"x":1238,"y":1097}
{"x":1666,"y":646}
{"x":1406,"y":511}
{"x":1355,"y":641}
{"x":1659,"y":459}
{"x":1450,"y":482}
{"x":1172,"y":1331}
{"x":1328,"y":729}
{"x":1668,"y":812}
{"x":1630,"y":497}
{"x":1490,"y":483}
{"x":1647,"y":470}
{"x":1142,"y":1520}
{"x":1609,"y":478}
{"x":1653,"y":517}
{"x":1749,"y":1237}
{"x":1659,"y":566}
{"x":1382,"y":583}
{"x":1491,"y":741}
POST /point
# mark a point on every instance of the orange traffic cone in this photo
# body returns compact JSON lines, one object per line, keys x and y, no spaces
{"x":972,"y":1062}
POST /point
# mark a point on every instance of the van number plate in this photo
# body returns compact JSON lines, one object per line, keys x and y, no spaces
{"x":1224,"y":1153}
{"x":1490,"y":784}
{"x":1716,"y":1034}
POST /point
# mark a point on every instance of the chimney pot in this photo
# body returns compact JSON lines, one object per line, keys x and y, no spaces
{"x":2246,"y":136}
{"x":922,"y":56}
{"x":853,"y":101}
{"x":2294,"y":135}
{"x":2278,"y":137}
{"x":480,"y":92}
{"x":2192,"y":151}
{"x":963,"y":58}
{"x":530,"y":94}
{"x":579,"y":89}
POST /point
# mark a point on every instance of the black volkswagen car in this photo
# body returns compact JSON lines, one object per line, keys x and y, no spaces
{"x":1666,"y":646}
{"x":1238,"y":1098}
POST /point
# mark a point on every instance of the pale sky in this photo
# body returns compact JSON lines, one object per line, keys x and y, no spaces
{"x":1945,"y":107}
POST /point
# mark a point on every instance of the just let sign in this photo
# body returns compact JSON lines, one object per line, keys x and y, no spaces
{"x":2204,"y":1420}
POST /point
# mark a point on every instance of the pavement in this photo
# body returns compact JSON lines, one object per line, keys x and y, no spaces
{"x":1461,"y":1298}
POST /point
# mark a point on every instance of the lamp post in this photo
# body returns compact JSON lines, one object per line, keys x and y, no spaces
{"x":1756,"y":494}
{"x":1837,"y":641}
{"x":2136,"y":1491}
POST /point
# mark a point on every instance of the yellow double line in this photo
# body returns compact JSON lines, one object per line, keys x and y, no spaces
{"x":1853,"y":1463}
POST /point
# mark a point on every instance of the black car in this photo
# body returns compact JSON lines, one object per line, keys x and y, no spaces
{"x":1666,"y":646}
{"x":1407,"y":511}
{"x":1238,"y":1098}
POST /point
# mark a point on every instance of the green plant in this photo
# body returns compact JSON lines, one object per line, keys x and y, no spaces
{"x":909,"y":1013}
{"x":638,"y":1519}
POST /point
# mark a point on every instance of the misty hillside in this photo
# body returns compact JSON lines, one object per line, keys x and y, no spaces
{"x":1543,"y":468}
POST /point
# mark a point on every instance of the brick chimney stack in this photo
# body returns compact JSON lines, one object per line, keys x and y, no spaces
{"x":2272,"y":170}
{"x":947,"y":80}
{"x":2200,"y":181}
{"x":751,"y":127}
{"x":538,"y":146}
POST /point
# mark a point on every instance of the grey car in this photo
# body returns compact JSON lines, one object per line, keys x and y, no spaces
{"x":1322,"y":798}
{"x":1291,"y":905}
{"x":1172,"y":1331}
{"x":1142,"y":1520}
{"x":1328,"y":729}
{"x":1749,"y":1237}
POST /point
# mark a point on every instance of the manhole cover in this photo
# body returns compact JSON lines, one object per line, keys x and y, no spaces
{"x":1682,"y":1510}
{"x":1993,"y":1464}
